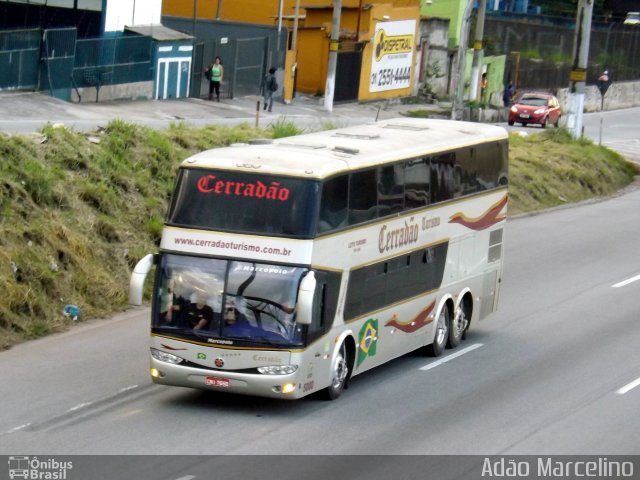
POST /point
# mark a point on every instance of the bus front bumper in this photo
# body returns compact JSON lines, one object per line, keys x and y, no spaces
{"x":273,"y":386}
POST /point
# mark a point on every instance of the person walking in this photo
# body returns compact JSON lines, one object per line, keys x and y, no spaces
{"x":214,"y":73}
{"x":269,"y":87}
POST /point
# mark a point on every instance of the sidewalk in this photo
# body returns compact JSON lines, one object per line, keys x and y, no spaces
{"x":25,"y":112}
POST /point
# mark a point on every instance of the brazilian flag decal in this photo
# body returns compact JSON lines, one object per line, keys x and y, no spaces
{"x":368,"y":338}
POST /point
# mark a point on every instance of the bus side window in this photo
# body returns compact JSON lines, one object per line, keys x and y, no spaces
{"x":416,"y":189}
{"x":442,"y":178}
{"x":333,"y":207}
{"x":390,"y":189}
{"x":363,"y":197}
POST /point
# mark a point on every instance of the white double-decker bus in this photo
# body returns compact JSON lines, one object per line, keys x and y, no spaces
{"x":287,"y":267}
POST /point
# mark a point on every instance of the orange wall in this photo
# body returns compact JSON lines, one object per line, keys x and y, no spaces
{"x":259,"y":11}
{"x":313,"y":56}
{"x":246,"y":11}
{"x":314,"y":32}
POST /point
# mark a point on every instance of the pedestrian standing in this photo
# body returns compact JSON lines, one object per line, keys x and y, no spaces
{"x":214,"y":73}
{"x":483,"y":87}
{"x":269,"y":87}
{"x":507,"y":95}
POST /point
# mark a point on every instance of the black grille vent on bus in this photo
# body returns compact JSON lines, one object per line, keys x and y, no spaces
{"x":404,"y":126}
{"x":358,"y":136}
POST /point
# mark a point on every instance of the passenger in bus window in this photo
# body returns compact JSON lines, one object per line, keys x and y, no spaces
{"x":199,"y":315}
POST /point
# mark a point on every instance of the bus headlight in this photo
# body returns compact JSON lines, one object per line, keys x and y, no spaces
{"x":278,"y":369}
{"x":165,"y":357}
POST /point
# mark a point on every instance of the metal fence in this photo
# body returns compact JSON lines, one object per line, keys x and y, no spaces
{"x":540,"y":54}
{"x":247,"y":51}
{"x":19,"y":57}
{"x":55,"y":60}
{"x":108,"y":61}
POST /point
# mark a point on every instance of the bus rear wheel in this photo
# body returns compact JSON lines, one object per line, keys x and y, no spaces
{"x":458,"y":326}
{"x":339,"y":374}
{"x":442,"y":334}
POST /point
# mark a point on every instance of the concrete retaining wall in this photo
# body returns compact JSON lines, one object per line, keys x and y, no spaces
{"x":619,"y":95}
{"x":123,"y":91}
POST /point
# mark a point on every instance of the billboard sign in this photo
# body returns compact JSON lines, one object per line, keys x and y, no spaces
{"x":394,"y":44}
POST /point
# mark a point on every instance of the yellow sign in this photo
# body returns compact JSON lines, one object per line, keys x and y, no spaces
{"x":388,"y":45}
{"x":578,"y":75}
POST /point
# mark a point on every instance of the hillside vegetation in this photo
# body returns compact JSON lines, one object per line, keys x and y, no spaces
{"x":77,"y":211}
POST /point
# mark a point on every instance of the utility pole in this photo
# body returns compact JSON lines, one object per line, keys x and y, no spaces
{"x":333,"y":56}
{"x":280,"y":7}
{"x":195,"y":13}
{"x":578,"y":77}
{"x":291,"y":60}
{"x":477,"y":51}
{"x":456,"y":111}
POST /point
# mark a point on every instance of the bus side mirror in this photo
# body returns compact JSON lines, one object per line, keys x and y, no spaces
{"x":136,"y":284}
{"x":305,"y":299}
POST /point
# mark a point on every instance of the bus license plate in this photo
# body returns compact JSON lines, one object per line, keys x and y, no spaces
{"x":216,"y":382}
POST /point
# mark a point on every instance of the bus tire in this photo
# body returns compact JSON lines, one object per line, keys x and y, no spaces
{"x":459,"y":325}
{"x":442,"y":334}
{"x":339,"y":373}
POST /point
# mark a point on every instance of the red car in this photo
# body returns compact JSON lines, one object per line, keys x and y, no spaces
{"x":539,"y":108}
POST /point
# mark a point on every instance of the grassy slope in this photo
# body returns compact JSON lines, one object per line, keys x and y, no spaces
{"x":76,"y":215}
{"x":551,"y":169}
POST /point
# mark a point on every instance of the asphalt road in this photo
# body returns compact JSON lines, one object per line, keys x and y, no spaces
{"x":542,"y":376}
{"x":555,"y":371}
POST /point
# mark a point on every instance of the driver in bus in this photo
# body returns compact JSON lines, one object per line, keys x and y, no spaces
{"x":235,"y":322}
{"x":199,"y":315}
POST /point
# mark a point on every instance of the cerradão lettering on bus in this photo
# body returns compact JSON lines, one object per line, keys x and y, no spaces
{"x":274,"y":191}
{"x":398,"y":237}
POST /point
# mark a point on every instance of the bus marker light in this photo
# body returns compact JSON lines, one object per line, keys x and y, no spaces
{"x":155,"y":373}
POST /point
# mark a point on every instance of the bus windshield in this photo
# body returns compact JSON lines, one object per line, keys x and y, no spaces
{"x":240,"y":302}
{"x":245,"y":203}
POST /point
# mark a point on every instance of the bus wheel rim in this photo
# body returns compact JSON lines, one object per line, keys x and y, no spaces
{"x":441,"y":334}
{"x":339,"y":370}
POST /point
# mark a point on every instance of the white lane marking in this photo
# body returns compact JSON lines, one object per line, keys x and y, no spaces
{"x":626,"y":282}
{"x":126,"y":389}
{"x":628,"y":386}
{"x":79,"y":406}
{"x":451,"y":357}
{"x":16,"y":429}
{"x":186,"y":477}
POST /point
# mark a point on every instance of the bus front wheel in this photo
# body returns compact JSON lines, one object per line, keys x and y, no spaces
{"x":442,"y":334}
{"x":339,"y":374}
